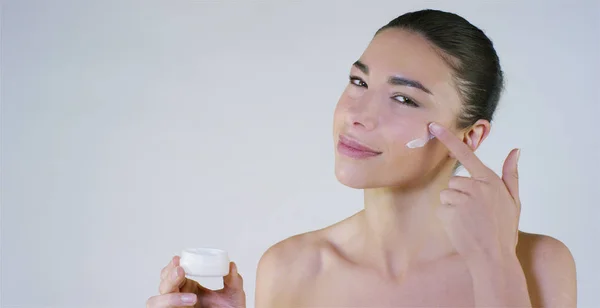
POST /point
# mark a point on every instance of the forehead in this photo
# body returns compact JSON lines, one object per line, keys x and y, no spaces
{"x":399,"y":52}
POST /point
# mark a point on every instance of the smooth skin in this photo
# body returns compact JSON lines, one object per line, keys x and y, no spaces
{"x":495,"y":265}
{"x":425,"y":238}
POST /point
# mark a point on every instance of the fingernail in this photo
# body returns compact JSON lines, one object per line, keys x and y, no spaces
{"x":188,"y":298}
{"x":518,"y":155}
{"x":434,"y":128}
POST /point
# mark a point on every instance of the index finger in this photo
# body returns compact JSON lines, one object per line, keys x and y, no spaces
{"x":463,"y":153}
{"x":167,"y":269}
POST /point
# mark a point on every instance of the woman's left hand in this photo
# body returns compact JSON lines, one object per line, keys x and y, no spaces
{"x":480,"y":213}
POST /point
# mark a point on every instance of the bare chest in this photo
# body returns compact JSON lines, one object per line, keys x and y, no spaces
{"x":449,"y":287}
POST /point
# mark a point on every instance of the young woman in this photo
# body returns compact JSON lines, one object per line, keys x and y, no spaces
{"x":426,"y":237}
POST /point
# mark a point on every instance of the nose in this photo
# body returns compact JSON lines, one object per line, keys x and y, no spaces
{"x":363,"y":113}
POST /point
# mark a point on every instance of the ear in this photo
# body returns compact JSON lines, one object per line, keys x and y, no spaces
{"x":474,"y":135}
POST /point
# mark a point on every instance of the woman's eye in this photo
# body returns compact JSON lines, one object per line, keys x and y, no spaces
{"x":405,"y":100}
{"x":358,"y":82}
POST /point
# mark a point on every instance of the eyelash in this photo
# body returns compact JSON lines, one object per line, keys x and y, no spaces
{"x":407,"y":100}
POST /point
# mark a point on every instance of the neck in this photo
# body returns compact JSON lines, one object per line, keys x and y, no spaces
{"x":402,"y":228}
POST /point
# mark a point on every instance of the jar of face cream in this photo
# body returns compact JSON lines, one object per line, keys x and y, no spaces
{"x":204,"y":262}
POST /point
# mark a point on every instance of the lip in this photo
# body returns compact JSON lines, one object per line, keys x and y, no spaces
{"x":354,"y":149}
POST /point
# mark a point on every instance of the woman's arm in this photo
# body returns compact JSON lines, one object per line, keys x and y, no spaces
{"x":499,"y":283}
{"x":481,"y":217}
{"x":549,"y":269}
{"x":543,"y":275}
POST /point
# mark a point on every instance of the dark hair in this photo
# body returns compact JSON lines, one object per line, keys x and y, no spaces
{"x":470,"y":54}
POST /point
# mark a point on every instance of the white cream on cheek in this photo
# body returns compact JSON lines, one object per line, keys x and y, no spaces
{"x":415,"y":126}
{"x":399,"y":129}
{"x":422,"y":141}
{"x":412,"y":125}
{"x":392,"y":118}
{"x":419,"y":142}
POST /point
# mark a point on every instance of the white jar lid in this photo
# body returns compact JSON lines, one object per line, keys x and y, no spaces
{"x":205,"y":262}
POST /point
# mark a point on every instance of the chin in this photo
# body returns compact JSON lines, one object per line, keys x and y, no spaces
{"x":365,"y":176}
{"x":354,"y":177}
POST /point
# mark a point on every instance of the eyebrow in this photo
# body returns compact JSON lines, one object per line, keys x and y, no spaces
{"x":395,"y":80}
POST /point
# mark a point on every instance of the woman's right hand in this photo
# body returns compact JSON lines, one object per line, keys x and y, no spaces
{"x":178,"y":291}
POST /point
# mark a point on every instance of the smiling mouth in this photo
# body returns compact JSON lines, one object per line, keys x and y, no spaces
{"x":354,"y":149}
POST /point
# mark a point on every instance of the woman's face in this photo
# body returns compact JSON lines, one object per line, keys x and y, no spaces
{"x":398,"y":86}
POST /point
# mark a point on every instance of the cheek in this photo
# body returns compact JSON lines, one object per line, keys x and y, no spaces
{"x":399,"y":130}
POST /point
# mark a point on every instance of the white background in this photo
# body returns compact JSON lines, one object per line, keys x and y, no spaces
{"x":131,"y":130}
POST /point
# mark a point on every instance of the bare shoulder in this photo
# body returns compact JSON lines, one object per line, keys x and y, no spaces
{"x":306,"y":251}
{"x":549,"y":268}
{"x":543,"y":250}
{"x":295,"y":263}
{"x":287,"y":266}
{"x":300,"y":249}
